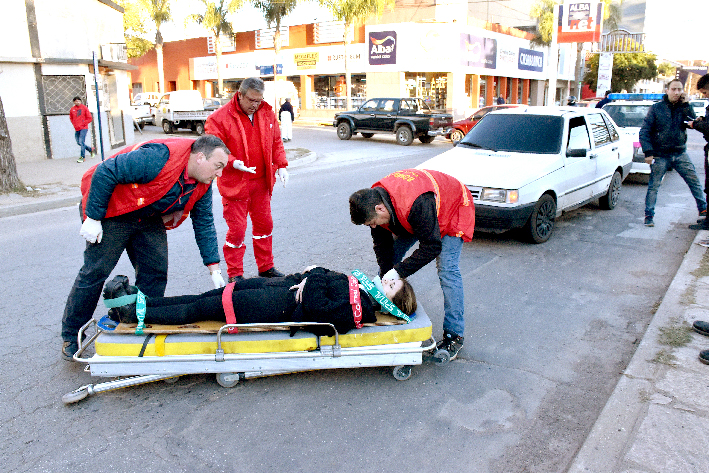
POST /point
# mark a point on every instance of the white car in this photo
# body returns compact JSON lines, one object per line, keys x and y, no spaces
{"x":629,"y":117}
{"x":699,"y":106}
{"x":526,"y":166}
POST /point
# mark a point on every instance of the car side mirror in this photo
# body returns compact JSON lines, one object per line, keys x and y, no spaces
{"x":576,"y":153}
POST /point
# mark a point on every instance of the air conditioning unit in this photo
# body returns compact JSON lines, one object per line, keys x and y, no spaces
{"x":114,"y":52}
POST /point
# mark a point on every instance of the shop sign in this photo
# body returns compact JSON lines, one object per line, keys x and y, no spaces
{"x":306,"y":60}
{"x":382,"y":47}
{"x":580,"y":22}
{"x":268,"y":70}
{"x":478,"y":51}
{"x":530,"y":60}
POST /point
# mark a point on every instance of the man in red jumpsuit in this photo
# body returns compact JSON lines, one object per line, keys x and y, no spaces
{"x":249,"y":128}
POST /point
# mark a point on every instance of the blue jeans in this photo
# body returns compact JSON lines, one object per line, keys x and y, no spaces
{"x":447,"y":264}
{"x":144,"y":240}
{"x":684,"y":168}
{"x":80,"y":136}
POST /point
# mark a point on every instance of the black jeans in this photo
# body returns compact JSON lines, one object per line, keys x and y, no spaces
{"x":145,"y":241}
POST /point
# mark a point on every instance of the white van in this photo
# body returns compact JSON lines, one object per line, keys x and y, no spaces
{"x":283,"y":89}
{"x":181,"y":109}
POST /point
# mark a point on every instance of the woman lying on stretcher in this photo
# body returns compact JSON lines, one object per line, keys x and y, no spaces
{"x":316,"y":295}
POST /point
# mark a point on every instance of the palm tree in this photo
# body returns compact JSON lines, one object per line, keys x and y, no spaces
{"x":214,"y":19}
{"x":273,"y":12}
{"x":159,"y":12}
{"x":349,"y":11}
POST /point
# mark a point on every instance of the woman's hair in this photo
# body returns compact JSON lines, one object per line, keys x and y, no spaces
{"x":405,"y":298}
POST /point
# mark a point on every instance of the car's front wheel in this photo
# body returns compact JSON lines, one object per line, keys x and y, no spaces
{"x":404,"y":136}
{"x":541,"y":223}
{"x":168,"y":127}
{"x":199,"y":128}
{"x":610,"y":199}
{"x":344,"y":131}
{"x":457,"y":135}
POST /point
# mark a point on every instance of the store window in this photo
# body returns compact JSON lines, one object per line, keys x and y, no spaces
{"x":330,"y":91}
{"x":431,"y":87}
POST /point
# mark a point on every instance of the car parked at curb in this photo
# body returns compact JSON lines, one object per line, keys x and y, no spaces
{"x":462,"y":127}
{"x":526,"y":166}
{"x":699,"y":106}
{"x":629,"y":116}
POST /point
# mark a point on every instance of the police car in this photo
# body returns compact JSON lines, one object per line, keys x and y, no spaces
{"x":628,"y":112}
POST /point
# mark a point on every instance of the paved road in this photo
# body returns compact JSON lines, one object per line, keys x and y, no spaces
{"x":549,"y":329}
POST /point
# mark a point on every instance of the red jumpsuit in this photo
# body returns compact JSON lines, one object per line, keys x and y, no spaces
{"x":256,"y":144}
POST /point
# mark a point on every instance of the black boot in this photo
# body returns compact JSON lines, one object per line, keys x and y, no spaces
{"x":117,"y":287}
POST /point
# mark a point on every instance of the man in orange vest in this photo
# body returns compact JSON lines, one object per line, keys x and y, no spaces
{"x":128,"y":201}
{"x":434,"y":209}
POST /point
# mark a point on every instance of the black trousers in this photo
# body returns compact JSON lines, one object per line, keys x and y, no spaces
{"x":145,"y":241}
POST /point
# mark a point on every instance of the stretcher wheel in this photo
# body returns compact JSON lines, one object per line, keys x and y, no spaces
{"x":227,"y":380}
{"x":75,"y":396}
{"x":402,"y":372}
{"x":172,"y":380}
{"x":441,"y":357}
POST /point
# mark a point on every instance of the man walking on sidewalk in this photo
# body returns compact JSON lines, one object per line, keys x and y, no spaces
{"x":663,"y":137}
{"x":81,"y":118}
{"x":702,"y":125}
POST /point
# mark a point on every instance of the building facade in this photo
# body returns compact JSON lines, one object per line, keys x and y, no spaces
{"x":47,"y":54}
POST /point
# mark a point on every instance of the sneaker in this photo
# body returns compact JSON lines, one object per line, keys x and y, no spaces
{"x":452,"y":343}
{"x":649,"y":222}
{"x":704,"y":243}
{"x":702,"y":213}
{"x":80,"y":160}
{"x":271,"y":273}
{"x":702,"y":327}
{"x":704,"y":225}
{"x":93,"y":152}
{"x":117,"y":287}
{"x":236,"y":278}
{"x":68,"y":350}
{"x":704,"y":356}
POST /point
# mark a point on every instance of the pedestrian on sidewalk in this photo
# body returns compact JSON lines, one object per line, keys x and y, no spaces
{"x":287,"y":117}
{"x":249,"y":127}
{"x":128,"y":202}
{"x":80,"y":117}
{"x":663,"y":137}
{"x":702,"y":125}
{"x":434,"y":209}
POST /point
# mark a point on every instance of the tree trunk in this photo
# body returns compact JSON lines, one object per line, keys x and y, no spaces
{"x":348,"y":75}
{"x":9,"y":180}
{"x":220,"y":80}
{"x":161,"y":72}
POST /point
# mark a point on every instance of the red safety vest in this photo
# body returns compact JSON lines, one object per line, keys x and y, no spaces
{"x":129,"y":197}
{"x":454,"y":202}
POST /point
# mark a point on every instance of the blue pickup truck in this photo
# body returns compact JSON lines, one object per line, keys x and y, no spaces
{"x":407,"y":118}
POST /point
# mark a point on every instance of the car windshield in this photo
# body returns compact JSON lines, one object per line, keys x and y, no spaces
{"x":627,"y":115}
{"x":517,"y":133}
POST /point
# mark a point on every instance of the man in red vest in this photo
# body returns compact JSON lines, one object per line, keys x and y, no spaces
{"x":434,"y":209}
{"x":128,"y":201}
{"x":250,"y":130}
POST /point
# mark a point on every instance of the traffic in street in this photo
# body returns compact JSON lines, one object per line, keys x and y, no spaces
{"x":549,"y":329}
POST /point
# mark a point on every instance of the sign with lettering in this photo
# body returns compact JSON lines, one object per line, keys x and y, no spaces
{"x":382,"y":47}
{"x":529,"y":60}
{"x":580,"y":22}
{"x":478,"y":51}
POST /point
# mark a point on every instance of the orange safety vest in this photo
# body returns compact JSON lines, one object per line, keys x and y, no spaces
{"x":129,"y":197}
{"x":454,"y":202}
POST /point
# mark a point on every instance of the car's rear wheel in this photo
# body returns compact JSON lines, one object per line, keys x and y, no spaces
{"x":167,"y":127}
{"x":404,"y":136}
{"x":610,"y":200}
{"x":457,"y":135}
{"x":426,"y":138}
{"x":367,"y":135}
{"x":344,"y":131}
{"x":199,"y":128}
{"x":540,"y":225}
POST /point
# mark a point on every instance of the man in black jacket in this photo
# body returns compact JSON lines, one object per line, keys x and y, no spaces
{"x":702,"y":125}
{"x":663,"y":137}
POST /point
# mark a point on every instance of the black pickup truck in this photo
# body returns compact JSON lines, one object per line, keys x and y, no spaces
{"x":408,"y":118}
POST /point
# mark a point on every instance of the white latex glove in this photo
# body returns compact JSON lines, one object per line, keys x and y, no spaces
{"x":217,"y":278}
{"x":239,"y":166}
{"x":299,"y":291}
{"x":91,"y":230}
{"x":392,"y":275}
{"x":282,"y":173}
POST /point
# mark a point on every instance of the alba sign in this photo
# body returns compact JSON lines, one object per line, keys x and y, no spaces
{"x":580,"y":22}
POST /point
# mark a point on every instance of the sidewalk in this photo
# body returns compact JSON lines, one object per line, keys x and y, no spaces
{"x":657,"y":418}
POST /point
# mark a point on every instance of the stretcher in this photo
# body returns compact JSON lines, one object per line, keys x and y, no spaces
{"x":167,"y":352}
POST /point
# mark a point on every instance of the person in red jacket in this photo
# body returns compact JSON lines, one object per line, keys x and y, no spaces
{"x":434,"y":209}
{"x":249,"y":128}
{"x":128,"y":202}
{"x":81,"y":117}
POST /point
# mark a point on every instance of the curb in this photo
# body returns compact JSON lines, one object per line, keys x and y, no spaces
{"x":32,"y":207}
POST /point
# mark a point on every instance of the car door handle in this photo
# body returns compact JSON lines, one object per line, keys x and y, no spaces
{"x":371,"y":115}
{"x":614,"y":149}
{"x":389,"y":115}
{"x":592,"y":155}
